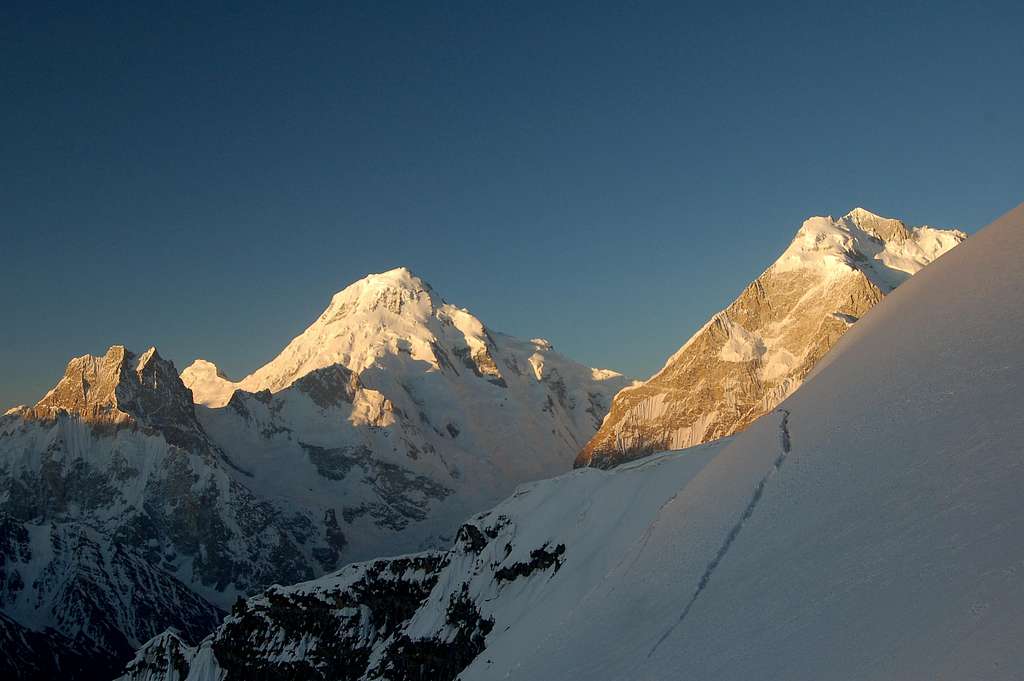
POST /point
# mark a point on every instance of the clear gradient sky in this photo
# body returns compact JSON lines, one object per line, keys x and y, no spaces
{"x":606,"y":175}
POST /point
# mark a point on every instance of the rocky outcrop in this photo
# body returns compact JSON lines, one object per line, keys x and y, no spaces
{"x":45,"y":655}
{"x":757,"y":351}
{"x":124,"y":390}
{"x":419,"y":616}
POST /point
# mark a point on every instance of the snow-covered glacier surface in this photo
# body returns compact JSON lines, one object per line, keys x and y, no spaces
{"x":870,"y":528}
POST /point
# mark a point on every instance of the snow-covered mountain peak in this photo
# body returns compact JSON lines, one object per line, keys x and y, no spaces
{"x":883,"y":249}
{"x":394,"y":413}
{"x":392,"y":319}
{"x":861,"y":213}
{"x":381,"y":316}
{"x":396,"y":292}
{"x":753,"y":354}
{"x":202,"y":365}
{"x":390,"y":368}
{"x":890,"y":230}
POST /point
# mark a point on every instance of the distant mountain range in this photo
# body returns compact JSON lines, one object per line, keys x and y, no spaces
{"x":867,"y":528}
{"x":139,"y":505}
{"x":132,"y":500}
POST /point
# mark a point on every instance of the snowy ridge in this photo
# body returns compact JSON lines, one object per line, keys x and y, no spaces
{"x":869,"y":530}
{"x":756,"y":352}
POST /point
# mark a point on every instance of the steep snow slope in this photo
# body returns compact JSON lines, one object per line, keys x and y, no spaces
{"x":885,"y":543}
{"x":868,"y":529}
{"x":753,"y":354}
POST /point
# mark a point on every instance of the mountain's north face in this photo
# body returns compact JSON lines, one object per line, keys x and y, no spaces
{"x":756,"y":352}
{"x":128,"y":507}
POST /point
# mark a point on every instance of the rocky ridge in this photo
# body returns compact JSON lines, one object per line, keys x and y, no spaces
{"x":748,"y":358}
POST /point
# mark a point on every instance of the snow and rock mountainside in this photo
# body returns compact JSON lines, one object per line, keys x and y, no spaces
{"x":396,"y":415}
{"x":118,"y":518}
{"x":757,"y":351}
{"x":126,"y":509}
{"x":867,"y":529}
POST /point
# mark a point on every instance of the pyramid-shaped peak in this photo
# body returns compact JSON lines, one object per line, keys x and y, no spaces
{"x":396,"y":291}
{"x":887,"y":229}
{"x":399,"y":277}
{"x":861,"y":213}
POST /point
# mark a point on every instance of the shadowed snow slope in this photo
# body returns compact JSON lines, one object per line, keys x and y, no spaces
{"x":868,"y":529}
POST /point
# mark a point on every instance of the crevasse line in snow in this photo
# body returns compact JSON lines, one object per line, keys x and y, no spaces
{"x":784,"y":442}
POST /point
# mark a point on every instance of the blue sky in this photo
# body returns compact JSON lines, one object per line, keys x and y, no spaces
{"x":203,"y":177}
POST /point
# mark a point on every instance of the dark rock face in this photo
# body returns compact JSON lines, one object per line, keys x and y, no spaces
{"x":40,"y":656}
{"x":344,"y":623}
{"x":422,"y":616}
{"x":329,"y":556}
{"x":540,"y":559}
{"x":431,"y":658}
{"x":330,"y":386}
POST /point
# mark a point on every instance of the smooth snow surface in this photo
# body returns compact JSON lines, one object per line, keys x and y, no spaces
{"x":887,"y":543}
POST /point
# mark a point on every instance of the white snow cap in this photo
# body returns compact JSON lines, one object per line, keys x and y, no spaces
{"x":884,"y":249}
